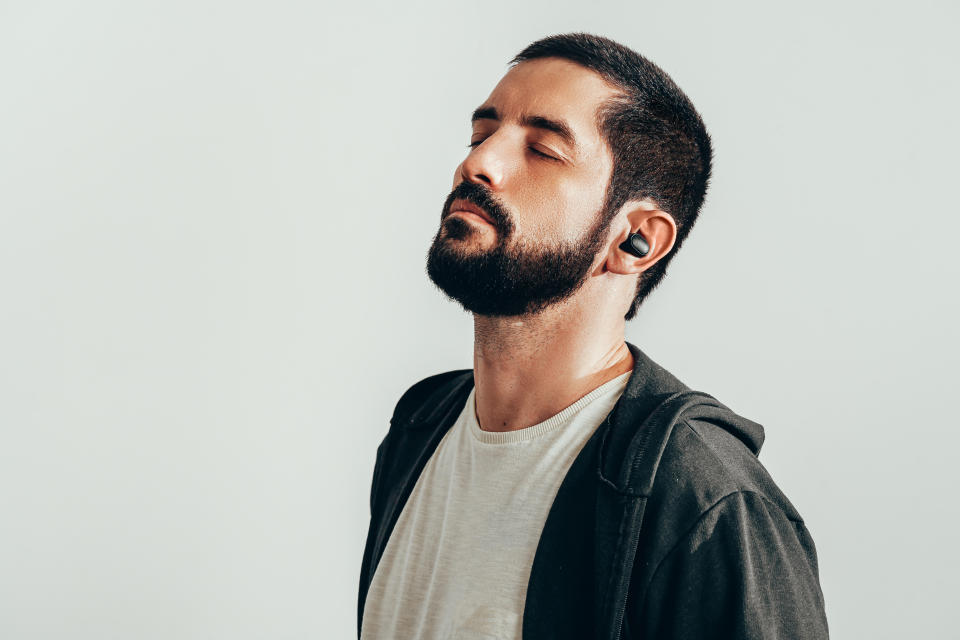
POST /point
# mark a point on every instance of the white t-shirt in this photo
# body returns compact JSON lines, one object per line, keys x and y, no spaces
{"x":457,"y":563}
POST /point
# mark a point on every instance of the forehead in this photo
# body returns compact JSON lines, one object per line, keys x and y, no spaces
{"x":554,"y":88}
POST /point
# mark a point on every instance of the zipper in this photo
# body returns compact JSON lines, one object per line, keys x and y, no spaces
{"x":631,"y":551}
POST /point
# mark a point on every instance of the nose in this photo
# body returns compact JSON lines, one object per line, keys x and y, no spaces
{"x":485,"y":164}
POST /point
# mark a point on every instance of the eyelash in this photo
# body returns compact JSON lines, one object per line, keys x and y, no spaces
{"x":534,"y":149}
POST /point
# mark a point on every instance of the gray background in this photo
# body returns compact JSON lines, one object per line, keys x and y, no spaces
{"x":214,"y":226}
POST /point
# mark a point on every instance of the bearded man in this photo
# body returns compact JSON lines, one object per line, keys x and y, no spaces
{"x":567,"y":486}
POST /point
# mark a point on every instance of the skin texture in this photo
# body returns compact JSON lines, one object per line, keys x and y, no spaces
{"x":539,"y":359}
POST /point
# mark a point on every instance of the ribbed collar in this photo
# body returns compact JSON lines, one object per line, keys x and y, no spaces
{"x":547,"y":426}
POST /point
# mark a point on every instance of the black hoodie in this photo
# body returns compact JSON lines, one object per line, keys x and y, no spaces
{"x":721,"y":552}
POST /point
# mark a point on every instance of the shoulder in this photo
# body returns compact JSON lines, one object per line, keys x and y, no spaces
{"x":706,"y":471}
{"x":716,"y":521}
{"x":703,"y":463}
{"x":406,"y":410}
{"x":422,"y":394}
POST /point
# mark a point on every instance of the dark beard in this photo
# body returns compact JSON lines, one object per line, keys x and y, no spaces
{"x":500,"y":282}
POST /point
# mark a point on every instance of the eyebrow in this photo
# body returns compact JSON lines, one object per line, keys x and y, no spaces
{"x":559,"y":127}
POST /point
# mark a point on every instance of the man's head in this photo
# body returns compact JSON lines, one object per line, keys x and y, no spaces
{"x":581,"y":142}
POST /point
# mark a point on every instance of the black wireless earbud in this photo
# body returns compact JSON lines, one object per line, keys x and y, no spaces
{"x":635,"y":244}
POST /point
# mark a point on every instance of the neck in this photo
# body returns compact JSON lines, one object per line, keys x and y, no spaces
{"x":530,"y":368}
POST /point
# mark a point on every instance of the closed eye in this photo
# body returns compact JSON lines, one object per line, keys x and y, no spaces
{"x":532,"y":148}
{"x":544,"y":155}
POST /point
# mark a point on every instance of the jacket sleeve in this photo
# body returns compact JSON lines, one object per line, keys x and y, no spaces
{"x":371,"y":531}
{"x":377,"y":471}
{"x":744,"y":570}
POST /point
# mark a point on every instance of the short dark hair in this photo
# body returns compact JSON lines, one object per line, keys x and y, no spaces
{"x":661,"y":148}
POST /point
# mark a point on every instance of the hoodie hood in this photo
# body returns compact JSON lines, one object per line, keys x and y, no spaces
{"x":653,"y":401}
{"x":637,"y":428}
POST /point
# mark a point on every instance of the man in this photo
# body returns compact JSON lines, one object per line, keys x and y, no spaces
{"x":568,"y":486}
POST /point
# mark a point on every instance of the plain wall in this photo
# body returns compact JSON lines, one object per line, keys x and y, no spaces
{"x":214,"y":220}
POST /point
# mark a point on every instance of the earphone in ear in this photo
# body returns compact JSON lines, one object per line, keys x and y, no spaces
{"x":635,"y":244}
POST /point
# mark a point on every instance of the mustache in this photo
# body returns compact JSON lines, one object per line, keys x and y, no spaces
{"x":481,"y":197}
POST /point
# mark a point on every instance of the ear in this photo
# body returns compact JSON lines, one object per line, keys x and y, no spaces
{"x":655,"y":225}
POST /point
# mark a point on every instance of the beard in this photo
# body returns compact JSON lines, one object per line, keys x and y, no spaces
{"x":513,"y":278}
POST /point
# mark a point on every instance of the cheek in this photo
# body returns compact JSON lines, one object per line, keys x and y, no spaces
{"x":544,"y":215}
{"x":578,"y":205}
{"x":546,"y":207}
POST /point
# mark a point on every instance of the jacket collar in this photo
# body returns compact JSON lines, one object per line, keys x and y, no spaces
{"x":651,"y":392}
{"x":654,"y":400}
